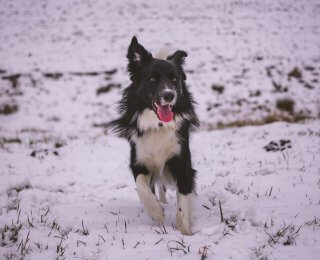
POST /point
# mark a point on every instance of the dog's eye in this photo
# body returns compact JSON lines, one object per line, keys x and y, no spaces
{"x":172,"y":76}
{"x":153,"y":79}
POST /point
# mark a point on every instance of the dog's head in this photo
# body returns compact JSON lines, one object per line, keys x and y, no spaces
{"x":158,"y":82}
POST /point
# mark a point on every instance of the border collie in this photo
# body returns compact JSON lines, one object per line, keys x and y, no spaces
{"x":156,"y":116}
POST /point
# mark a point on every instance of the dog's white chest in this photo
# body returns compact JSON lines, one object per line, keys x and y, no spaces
{"x":156,"y":145}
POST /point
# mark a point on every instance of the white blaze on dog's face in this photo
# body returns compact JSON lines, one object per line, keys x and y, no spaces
{"x":158,"y":81}
{"x":161,"y":83}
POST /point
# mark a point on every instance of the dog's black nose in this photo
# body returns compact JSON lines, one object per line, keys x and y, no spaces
{"x":168,"y":96}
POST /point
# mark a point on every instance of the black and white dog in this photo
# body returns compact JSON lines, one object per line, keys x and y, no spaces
{"x":156,"y":117}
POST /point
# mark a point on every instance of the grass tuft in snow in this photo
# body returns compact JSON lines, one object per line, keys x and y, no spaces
{"x":162,"y":230}
{"x":178,"y":246}
{"x":9,"y":234}
{"x":221,"y":213}
{"x":286,"y":235}
{"x":84,"y":231}
{"x":60,"y":249}
{"x":24,"y":246}
{"x":314,"y":223}
{"x":203,"y":252}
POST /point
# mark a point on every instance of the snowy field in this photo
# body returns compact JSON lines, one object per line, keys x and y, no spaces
{"x":66,"y":191}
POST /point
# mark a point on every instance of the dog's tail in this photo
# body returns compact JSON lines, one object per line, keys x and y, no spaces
{"x":163,"y":53}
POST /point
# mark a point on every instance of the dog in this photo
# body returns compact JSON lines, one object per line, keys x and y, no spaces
{"x":156,"y":116}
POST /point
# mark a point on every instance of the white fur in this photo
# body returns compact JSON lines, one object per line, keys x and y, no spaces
{"x":148,"y":120}
{"x":183,"y":213}
{"x":148,"y":199}
{"x":137,"y":57}
{"x":157,"y":144}
{"x":164,"y":52}
{"x":155,"y":147}
{"x":162,"y":194}
{"x":134,"y":117}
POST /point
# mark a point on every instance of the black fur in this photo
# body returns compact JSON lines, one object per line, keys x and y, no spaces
{"x":142,"y":93}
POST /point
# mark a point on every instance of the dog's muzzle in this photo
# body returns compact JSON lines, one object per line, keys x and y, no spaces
{"x":168,"y":97}
{"x":163,"y":106}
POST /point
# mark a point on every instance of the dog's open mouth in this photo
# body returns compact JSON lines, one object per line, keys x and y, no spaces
{"x":164,"y":112}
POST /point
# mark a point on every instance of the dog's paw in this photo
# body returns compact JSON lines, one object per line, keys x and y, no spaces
{"x":155,"y":211}
{"x":182,"y":224}
{"x":183,"y":228}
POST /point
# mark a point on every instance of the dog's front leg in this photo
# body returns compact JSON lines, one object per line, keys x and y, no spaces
{"x":180,"y":167}
{"x":183,"y":213}
{"x":148,"y":199}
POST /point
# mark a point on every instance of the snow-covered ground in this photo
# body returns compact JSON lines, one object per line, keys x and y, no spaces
{"x":65,"y":187}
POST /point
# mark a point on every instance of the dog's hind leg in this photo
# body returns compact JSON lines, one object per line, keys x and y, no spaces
{"x":148,"y":199}
{"x":152,"y":185}
{"x":162,"y":194}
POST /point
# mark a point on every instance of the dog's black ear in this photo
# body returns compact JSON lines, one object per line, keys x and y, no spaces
{"x":178,"y":57}
{"x":138,"y":56}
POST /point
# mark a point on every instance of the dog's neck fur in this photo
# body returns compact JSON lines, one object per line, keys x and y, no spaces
{"x":148,"y":121}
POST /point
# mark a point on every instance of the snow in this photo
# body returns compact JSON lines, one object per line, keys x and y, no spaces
{"x":66,"y":190}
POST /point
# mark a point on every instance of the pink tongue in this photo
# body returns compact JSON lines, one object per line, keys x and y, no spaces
{"x":165,"y":113}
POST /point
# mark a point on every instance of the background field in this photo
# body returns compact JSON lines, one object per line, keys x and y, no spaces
{"x":65,"y":187}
